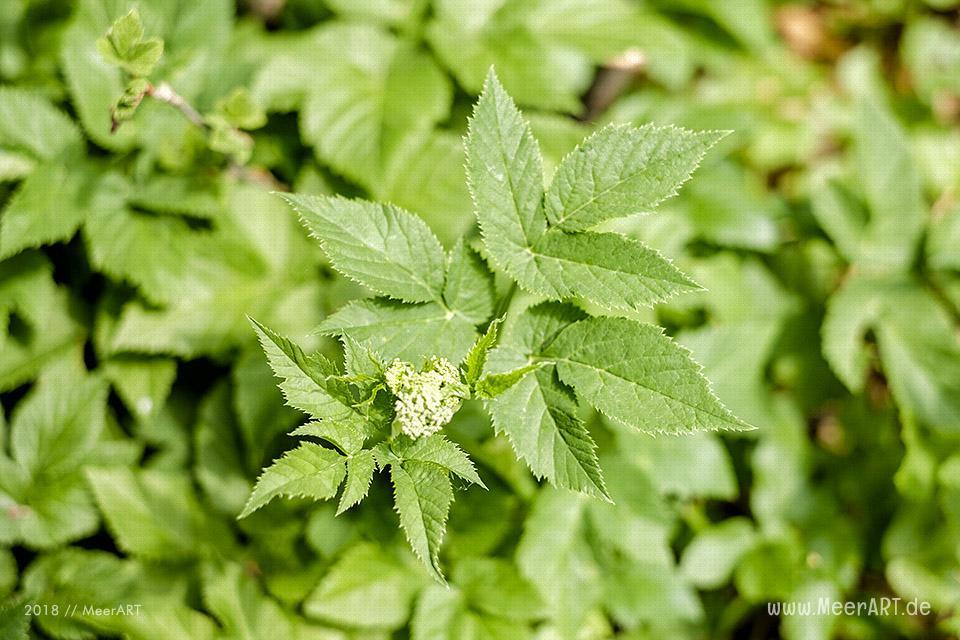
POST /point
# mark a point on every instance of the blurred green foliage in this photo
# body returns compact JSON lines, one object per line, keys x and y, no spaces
{"x":137,"y":409}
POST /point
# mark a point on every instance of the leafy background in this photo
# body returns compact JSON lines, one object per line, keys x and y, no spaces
{"x":137,"y":408}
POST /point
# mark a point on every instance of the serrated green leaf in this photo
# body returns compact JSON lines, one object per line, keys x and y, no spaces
{"x":156,"y":514}
{"x":49,"y":206}
{"x":360,"y":467}
{"x":506,"y":180}
{"x":608,"y":269}
{"x":305,"y":383}
{"x":438,"y":450}
{"x":492,"y":385}
{"x":505,"y":176}
{"x":422,"y":495}
{"x":363,"y":94}
{"x":621,"y":170}
{"x":13,"y":624}
{"x":359,"y":360}
{"x":636,"y":375}
{"x":29,"y":123}
{"x":308,"y":471}
{"x":540,"y":419}
{"x":59,"y":424}
{"x":468,"y":287}
{"x":473,"y":364}
{"x":409,"y":332}
{"x":244,"y":612}
{"x":142,"y":383}
{"x":387,"y":249}
{"x":538,"y":414}
{"x":343,"y":436}
{"x":365,"y":574}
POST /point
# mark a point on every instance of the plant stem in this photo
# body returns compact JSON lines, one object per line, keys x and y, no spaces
{"x":166,"y":93}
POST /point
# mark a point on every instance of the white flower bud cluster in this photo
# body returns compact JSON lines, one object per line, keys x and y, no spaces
{"x":427,"y":399}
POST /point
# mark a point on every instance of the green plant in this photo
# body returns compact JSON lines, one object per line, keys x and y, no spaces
{"x":399,"y":388}
{"x":138,"y":233}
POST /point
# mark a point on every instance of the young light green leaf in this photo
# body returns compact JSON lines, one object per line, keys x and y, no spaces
{"x":422,"y":497}
{"x":304,"y":382}
{"x":438,"y":450}
{"x":360,"y":467}
{"x":492,"y":385}
{"x":477,"y":357}
{"x":387,"y":249}
{"x":409,"y":332}
{"x":125,"y":32}
{"x":308,"y":471}
{"x":636,"y":375}
{"x":124,"y":46}
{"x":240,"y":110}
{"x":621,"y":170}
{"x":359,"y":360}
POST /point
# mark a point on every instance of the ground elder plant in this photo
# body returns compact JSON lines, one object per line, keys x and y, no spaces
{"x":468,"y":331}
{"x":430,"y":342}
